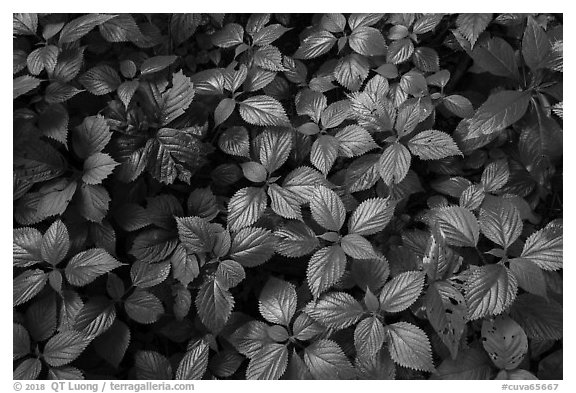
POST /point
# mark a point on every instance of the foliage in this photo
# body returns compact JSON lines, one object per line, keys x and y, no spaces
{"x":277,"y":196}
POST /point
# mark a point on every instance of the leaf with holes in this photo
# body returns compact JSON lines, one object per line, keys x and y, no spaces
{"x":446,"y":311}
{"x":504,"y":341}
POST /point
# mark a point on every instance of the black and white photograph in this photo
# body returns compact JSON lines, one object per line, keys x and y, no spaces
{"x":286,"y":196}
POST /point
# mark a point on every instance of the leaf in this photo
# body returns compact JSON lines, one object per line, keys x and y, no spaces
{"x":446,"y":310}
{"x":223,"y":110}
{"x":174,"y":154}
{"x":302,"y":182}
{"x":184,"y":265}
{"x":399,"y":51}
{"x":58,"y":92}
{"x":500,"y":222}
{"x":53,"y":122}
{"x":497,"y":57}
{"x":24,"y":84}
{"x":371,"y":216}
{"x":489,"y":290}
{"x":529,"y":276}
{"x":495,"y":175}
{"x":245,"y":207}
{"x":94,"y":200}
{"x":26,"y":247}
{"x":21,"y":341}
{"x":458,"y":105}
{"x":193,"y":365}
{"x":426,"y":59}
{"x":196,"y":234}
{"x":183,"y":26}
{"x":55,"y":243}
{"x":254,"y":171}
{"x":336,"y":310}
{"x":367,"y":41}
{"x":235,"y":141}
{"x":544,"y":247}
{"x":472,"y":25}
{"x":27,"y":285}
{"x":27,"y":370}
{"x":95,"y":317}
{"x":252,"y":246}
{"x":284,"y":202}
{"x":79,"y":27}
{"x":433,"y":145}
{"x":112,"y":344}
{"x":269,"y":34}
{"x":268,"y":57}
{"x":362,"y":173}
{"x":176,"y":99}
{"x":324,"y":153}
{"x":354,"y":141}
{"x":202,"y":203}
{"x":536,"y":46}
{"x":257,"y":79}
{"x":146,"y":275}
{"x":263,"y":110}
{"x":230,"y":35}
{"x":143,"y":307}
{"x":394,"y":163}
{"x":315,"y":45}
{"x":98,"y":167}
{"x":402,"y":291}
{"x":152,"y":365}
{"x":356,"y":21}
{"x":277,"y":302}
{"x":504,"y":341}
{"x":269,"y":363}
{"x":335,"y":114}
{"x":91,"y":136}
{"x":156,"y":63}
{"x":334,"y":23}
{"x":325,"y":268}
{"x":369,"y":336}
{"x":541,"y":319}
{"x":409,"y":346}
{"x":42,"y":58}
{"x":311,"y":103}
{"x":64,"y":347}
{"x":327,"y":209}
{"x":458,"y":225}
{"x":153,"y":245}
{"x":88,"y":265}
{"x":357,"y":246}
{"x":100,"y":80}
{"x":499,"y":111}
{"x":56,"y":199}
{"x":122,"y":28}
{"x":351,"y":71}
{"x":250,"y":338}
{"x":295,"y":240}
{"x":275,"y":147}
{"x":24,"y":23}
{"x":214,"y":304}
{"x":326,"y":360}
{"x":471,"y":364}
{"x":230,"y":272}
{"x":68,"y":65}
